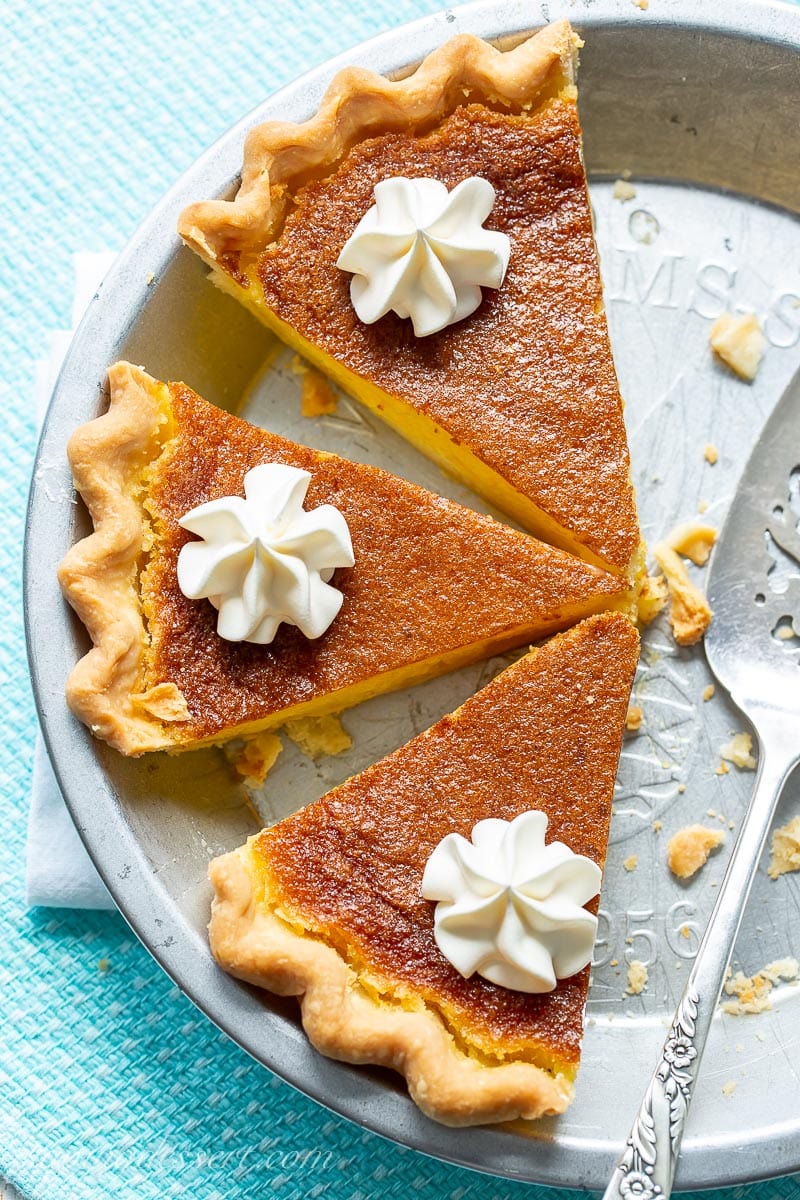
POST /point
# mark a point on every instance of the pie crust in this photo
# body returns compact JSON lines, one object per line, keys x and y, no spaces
{"x":279,"y":156}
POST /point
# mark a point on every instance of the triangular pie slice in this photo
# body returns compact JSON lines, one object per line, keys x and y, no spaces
{"x":327,"y":904}
{"x":434,"y":585}
{"x":519,"y":400}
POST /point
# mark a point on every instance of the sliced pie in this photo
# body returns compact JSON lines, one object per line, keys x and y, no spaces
{"x":327,"y":905}
{"x":520,"y":399}
{"x":434,"y":585}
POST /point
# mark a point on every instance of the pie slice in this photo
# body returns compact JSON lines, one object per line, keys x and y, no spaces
{"x":519,"y":399}
{"x":327,"y":904}
{"x":434,"y":585}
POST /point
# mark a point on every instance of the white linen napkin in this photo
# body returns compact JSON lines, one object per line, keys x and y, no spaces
{"x":59,"y":872}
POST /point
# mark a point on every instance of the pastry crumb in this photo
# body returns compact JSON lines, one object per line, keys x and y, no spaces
{"x":752,"y":992}
{"x":693,"y":540}
{"x":685,"y":931}
{"x":708,"y":692}
{"x":738,"y":340}
{"x":637,"y":977}
{"x":633,"y":719}
{"x":318,"y":736}
{"x":739,"y":751}
{"x":722,"y":769}
{"x":631,"y":862}
{"x":652,"y":598}
{"x":642,"y":4}
{"x":149,"y":279}
{"x":318,"y":398}
{"x":681,"y":788}
{"x":103,"y":966}
{"x":702,"y":506}
{"x":624,"y":191}
{"x":614,"y":962}
{"x":689,"y":848}
{"x":658,"y":825}
{"x":729,"y":1088}
{"x":786,"y":969}
{"x":689,"y":611}
{"x":256,"y":758}
{"x":165,"y":702}
{"x":711,"y":454}
{"x":785,"y":856}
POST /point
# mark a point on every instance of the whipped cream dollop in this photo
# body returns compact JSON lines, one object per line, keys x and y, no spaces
{"x":510,"y":907}
{"x":264,"y":559}
{"x":421,"y":251}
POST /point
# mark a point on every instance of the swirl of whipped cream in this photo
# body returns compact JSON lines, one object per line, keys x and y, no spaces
{"x":510,"y":907}
{"x":421,"y":251}
{"x":264,"y":559}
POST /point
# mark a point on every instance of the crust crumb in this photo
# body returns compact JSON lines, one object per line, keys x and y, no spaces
{"x":631,"y":862}
{"x":738,"y":340}
{"x":624,"y":191}
{"x":642,"y":4}
{"x":711,"y":454}
{"x":652,"y":598}
{"x":257,"y":757}
{"x":693,"y":540}
{"x":785,"y":855}
{"x":729,"y":1088}
{"x":708,"y":692}
{"x":318,"y":736}
{"x":739,"y":751}
{"x":165,"y":702}
{"x":657,"y":826}
{"x":702,"y":506}
{"x":689,"y":611}
{"x":722,"y":769}
{"x":634,"y":718}
{"x":752,"y":993}
{"x":318,"y":398}
{"x":689,"y":848}
{"x":637,"y":977}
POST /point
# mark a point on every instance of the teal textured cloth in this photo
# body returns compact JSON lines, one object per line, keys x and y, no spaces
{"x":111,"y":1082}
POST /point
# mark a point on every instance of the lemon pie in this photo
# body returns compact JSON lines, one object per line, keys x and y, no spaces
{"x":518,"y":398}
{"x":429,"y":585}
{"x":328,"y":904}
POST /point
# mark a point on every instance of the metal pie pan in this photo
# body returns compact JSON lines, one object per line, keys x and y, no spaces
{"x":699,"y":100}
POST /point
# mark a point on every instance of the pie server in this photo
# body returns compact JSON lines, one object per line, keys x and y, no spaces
{"x":761,"y":670}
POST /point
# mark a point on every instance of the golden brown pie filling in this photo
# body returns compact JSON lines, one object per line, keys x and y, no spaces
{"x":529,"y":377}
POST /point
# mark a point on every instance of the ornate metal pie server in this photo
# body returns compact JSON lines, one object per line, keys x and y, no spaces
{"x":753,"y":648}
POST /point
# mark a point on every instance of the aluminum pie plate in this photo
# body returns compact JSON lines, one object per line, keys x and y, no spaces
{"x":699,"y":103}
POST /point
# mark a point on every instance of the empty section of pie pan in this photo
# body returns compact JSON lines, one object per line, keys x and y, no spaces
{"x":705,"y":94}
